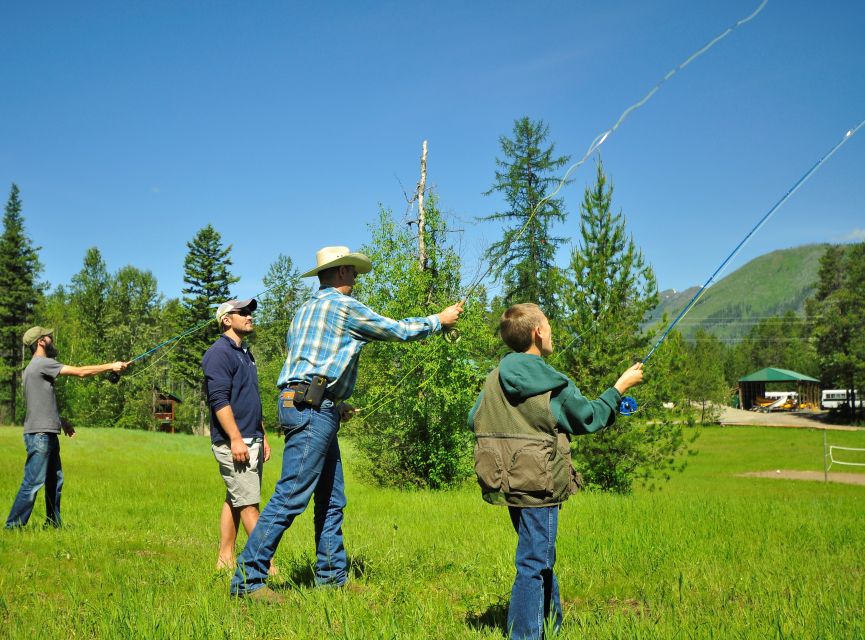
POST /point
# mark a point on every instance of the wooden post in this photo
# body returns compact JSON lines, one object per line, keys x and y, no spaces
{"x":421,"y":187}
{"x":825,"y":458}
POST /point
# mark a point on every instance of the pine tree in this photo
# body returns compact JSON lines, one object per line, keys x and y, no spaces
{"x":837,"y":311}
{"x":208,"y":280}
{"x":524,"y":259}
{"x":612,"y":289}
{"x":20,"y":292}
{"x":284,"y":293}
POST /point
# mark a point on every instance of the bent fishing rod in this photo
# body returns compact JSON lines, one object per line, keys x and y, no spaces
{"x":629,"y":404}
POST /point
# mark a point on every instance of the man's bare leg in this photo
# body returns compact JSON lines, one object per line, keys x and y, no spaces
{"x":229,"y":521}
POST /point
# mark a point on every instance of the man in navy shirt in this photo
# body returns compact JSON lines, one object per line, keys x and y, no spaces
{"x":237,"y":435}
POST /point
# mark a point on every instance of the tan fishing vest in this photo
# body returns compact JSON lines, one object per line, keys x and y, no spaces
{"x":521,"y":459}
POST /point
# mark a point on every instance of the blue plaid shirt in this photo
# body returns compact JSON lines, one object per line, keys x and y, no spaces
{"x":328,"y":332}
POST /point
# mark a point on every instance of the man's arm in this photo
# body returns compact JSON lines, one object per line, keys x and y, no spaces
{"x":92,"y":369}
{"x":370,"y":325}
{"x":239,"y":450}
{"x":217,"y":379}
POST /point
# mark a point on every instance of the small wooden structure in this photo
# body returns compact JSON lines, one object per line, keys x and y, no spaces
{"x":163,"y":409}
{"x":753,"y":386}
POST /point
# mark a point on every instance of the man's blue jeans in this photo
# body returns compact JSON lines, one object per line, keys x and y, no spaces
{"x":535,"y":595}
{"x":41,"y":468}
{"x":311,"y":468}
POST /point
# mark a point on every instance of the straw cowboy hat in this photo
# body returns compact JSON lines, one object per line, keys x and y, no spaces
{"x":336,"y":257}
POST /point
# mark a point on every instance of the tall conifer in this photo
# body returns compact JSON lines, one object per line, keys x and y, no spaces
{"x":524,"y":259}
{"x":208,"y":283}
{"x":20,"y":291}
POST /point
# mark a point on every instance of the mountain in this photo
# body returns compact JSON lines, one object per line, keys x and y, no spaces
{"x":769,"y":285}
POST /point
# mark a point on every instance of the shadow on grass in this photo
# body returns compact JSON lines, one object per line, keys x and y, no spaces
{"x":300,"y":573}
{"x":495,"y":618}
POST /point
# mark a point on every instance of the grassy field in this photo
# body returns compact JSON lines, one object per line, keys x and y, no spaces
{"x":712,"y":555}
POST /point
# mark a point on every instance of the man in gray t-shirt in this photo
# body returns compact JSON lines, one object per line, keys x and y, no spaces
{"x":42,"y":426}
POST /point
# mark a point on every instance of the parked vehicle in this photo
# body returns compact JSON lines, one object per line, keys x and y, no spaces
{"x":835,"y":398}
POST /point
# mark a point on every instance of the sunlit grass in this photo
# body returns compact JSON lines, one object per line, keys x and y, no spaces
{"x":710,"y":555}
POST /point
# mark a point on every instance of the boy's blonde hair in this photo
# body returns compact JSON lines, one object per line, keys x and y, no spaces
{"x":518,"y":323}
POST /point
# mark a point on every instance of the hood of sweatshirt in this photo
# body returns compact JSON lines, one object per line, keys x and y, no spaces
{"x":523,"y":375}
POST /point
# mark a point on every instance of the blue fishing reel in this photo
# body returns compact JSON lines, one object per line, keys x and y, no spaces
{"x":627,"y":406}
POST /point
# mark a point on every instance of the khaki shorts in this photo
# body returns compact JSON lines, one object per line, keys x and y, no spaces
{"x":242,"y":481}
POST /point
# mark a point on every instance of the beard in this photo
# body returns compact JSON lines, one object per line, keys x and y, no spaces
{"x":51,"y":350}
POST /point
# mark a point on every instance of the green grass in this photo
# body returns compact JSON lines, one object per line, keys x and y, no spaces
{"x":712,"y":555}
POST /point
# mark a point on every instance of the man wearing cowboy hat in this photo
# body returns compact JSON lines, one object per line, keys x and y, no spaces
{"x":42,"y":426}
{"x":324,"y":343}
{"x":237,"y":436}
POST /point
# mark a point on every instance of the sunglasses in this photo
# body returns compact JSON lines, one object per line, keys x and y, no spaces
{"x":241,"y":312}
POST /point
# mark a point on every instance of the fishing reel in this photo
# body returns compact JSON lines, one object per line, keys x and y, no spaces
{"x":113,"y":377}
{"x":452,"y":336}
{"x":627,"y":406}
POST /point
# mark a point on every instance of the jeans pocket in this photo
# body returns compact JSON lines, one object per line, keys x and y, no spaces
{"x":291,"y":419}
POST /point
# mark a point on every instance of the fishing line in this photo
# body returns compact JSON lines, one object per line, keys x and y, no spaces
{"x":747,"y":238}
{"x":114,"y":376}
{"x":602,"y":137}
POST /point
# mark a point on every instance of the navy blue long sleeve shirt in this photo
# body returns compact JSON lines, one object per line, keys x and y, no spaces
{"x":231,"y":378}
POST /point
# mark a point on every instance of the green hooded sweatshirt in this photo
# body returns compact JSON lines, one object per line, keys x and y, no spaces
{"x":522,"y":420}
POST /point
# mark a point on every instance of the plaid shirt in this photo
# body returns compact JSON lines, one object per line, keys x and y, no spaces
{"x":328,"y":332}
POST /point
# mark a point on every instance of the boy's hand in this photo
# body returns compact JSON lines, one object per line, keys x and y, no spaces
{"x":629,"y":378}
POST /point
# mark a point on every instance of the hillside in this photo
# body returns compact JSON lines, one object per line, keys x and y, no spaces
{"x":769,"y":285}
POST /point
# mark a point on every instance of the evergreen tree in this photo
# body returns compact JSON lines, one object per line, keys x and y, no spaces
{"x":20,"y":291}
{"x":611,"y":291}
{"x":837,"y":311}
{"x":524,"y":259}
{"x":208,"y":283}
{"x":284,"y":293}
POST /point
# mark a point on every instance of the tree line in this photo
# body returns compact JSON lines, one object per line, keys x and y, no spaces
{"x":414,"y":398}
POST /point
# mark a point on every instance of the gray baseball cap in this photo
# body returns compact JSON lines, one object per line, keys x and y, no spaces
{"x":235,"y":305}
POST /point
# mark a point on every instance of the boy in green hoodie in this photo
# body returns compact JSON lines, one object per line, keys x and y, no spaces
{"x":523,"y":420}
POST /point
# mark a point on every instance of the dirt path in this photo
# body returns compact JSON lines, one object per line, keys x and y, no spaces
{"x":730,"y":416}
{"x":781,"y":474}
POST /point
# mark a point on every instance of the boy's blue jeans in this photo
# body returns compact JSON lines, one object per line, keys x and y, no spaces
{"x":41,"y":468}
{"x":535,"y":595}
{"x":311,"y":468}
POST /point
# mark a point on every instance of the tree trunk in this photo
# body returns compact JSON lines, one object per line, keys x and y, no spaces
{"x":421,"y":188}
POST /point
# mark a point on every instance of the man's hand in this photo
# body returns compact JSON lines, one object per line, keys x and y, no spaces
{"x":632,"y":376}
{"x":346,"y":411}
{"x":449,"y":315}
{"x":266,"y":449}
{"x":68,"y":429}
{"x":118,"y":366}
{"x":239,"y":451}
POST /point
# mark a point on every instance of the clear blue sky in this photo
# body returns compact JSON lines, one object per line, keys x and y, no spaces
{"x":130,"y":125}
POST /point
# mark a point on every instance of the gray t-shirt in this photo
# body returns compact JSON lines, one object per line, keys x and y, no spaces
{"x":42,"y":415}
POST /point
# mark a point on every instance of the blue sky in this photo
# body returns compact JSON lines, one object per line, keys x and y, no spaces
{"x":130,"y":125}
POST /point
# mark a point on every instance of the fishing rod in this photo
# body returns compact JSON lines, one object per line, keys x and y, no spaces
{"x":114,"y":377}
{"x":796,"y":186}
